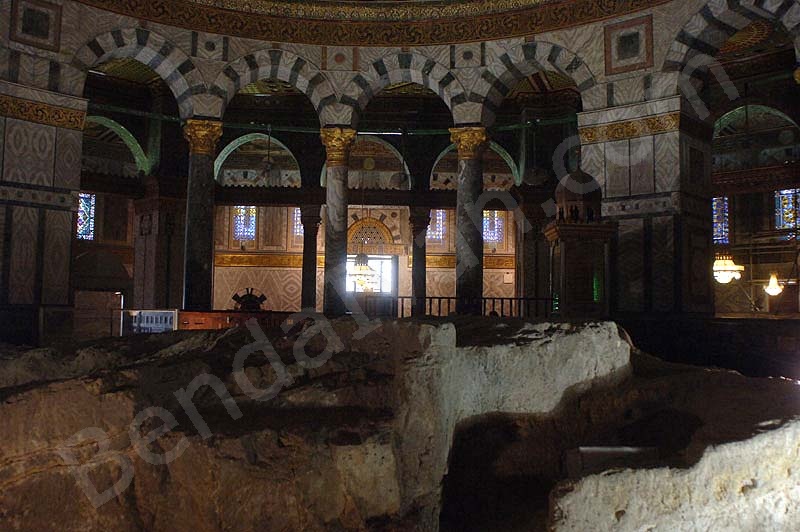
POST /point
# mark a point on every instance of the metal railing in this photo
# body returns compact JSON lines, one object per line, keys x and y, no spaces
{"x":510,"y":307}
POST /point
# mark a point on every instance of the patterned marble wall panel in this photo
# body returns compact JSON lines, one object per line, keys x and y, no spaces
{"x":642,"y":163}
{"x":617,"y":156}
{"x":441,"y":283}
{"x":22,"y":263}
{"x":33,"y":71}
{"x":663,"y":260}
{"x":630,"y":266}
{"x":29,"y":152}
{"x":667,"y":161}
{"x":57,"y":242}
{"x":494,"y":284}
{"x":629,"y":90}
{"x":2,"y":143}
{"x":3,"y":208}
{"x":440,"y":54}
{"x":75,"y":32}
{"x":281,"y":286}
{"x":68,"y":158}
{"x":584,"y":41}
{"x":593,"y":162}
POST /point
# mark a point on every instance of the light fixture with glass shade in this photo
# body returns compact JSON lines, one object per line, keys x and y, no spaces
{"x":773,"y":288}
{"x":725,"y":270}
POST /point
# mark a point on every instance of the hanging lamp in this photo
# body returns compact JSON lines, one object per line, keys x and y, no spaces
{"x":725,"y":270}
{"x":773,"y":288}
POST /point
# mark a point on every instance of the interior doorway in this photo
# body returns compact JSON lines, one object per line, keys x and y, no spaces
{"x":373,"y":280}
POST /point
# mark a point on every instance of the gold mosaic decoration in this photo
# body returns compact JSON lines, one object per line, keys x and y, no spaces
{"x":470,"y":142}
{"x":631,"y":128}
{"x":382,"y":24}
{"x":338,"y":142}
{"x":41,"y":113}
{"x":202,"y":136}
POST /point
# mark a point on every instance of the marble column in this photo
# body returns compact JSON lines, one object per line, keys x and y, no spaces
{"x":419,"y":219}
{"x":198,"y":275}
{"x":310,"y":218}
{"x":338,"y":142}
{"x":470,"y":142}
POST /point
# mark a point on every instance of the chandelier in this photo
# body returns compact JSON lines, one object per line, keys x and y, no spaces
{"x":725,"y":270}
{"x":773,"y":288}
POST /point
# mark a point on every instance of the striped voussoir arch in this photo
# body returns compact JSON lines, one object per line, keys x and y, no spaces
{"x":276,"y":64}
{"x":703,"y":35}
{"x":502,"y":75}
{"x":403,"y":67}
{"x":164,"y":57}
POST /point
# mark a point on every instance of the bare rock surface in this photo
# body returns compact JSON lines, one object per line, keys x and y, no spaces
{"x":364,"y":439}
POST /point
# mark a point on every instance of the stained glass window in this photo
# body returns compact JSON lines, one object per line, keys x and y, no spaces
{"x":86,"y":204}
{"x":436,"y":226}
{"x":244,"y":223}
{"x":492,"y":226}
{"x":719,"y":208}
{"x":297,"y":222}
{"x":786,"y":203}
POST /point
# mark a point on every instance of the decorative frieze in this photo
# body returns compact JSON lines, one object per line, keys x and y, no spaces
{"x":630,"y":129}
{"x":39,"y":197}
{"x":41,"y":113}
{"x":448,"y":262}
{"x":386,"y":24}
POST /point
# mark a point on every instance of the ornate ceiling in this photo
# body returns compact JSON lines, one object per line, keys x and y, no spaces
{"x":374,"y":22}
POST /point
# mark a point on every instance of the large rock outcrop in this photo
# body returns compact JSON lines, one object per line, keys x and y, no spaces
{"x":366,"y":439}
{"x":359,"y":442}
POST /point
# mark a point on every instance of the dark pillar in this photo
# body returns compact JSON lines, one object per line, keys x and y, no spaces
{"x":309,"y":216}
{"x":338,"y":142}
{"x":532,"y":249}
{"x":158,"y":249}
{"x":470,"y":142}
{"x":198,"y":276}
{"x":419,"y":220}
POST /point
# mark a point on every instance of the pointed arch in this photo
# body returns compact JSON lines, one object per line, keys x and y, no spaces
{"x":376,"y":139}
{"x":241,"y":141}
{"x":698,"y":41}
{"x":143,"y":163}
{"x":495,"y":147}
{"x":273,"y":63}
{"x":500,"y":77}
{"x":151,"y":49}
{"x":405,"y":67}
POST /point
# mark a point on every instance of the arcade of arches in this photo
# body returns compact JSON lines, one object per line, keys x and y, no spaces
{"x":149,"y":163}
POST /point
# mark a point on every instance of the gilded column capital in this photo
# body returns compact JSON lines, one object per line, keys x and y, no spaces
{"x":202,"y":135}
{"x":470,"y":141}
{"x":338,"y":142}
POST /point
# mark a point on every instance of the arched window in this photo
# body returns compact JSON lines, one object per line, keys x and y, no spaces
{"x":719,"y":207}
{"x":786,"y":203}
{"x":86,"y":207}
{"x":297,"y":222}
{"x":244,"y":222}
{"x":437,"y":225}
{"x":493,"y":227}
